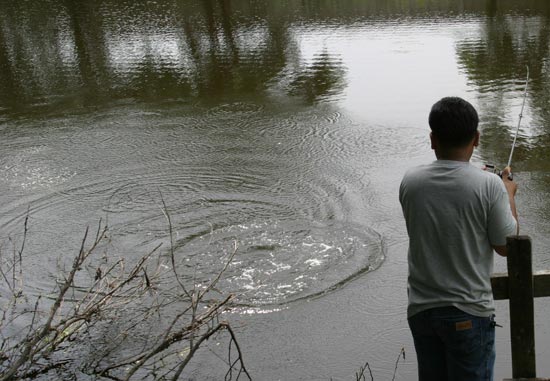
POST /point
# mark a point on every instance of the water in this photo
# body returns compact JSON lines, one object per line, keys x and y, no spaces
{"x":282,"y":127}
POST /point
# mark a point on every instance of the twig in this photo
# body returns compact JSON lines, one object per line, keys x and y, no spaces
{"x":29,"y":347}
{"x":74,"y":319}
{"x":401,"y":353}
{"x":172,"y":252}
{"x":176,"y":337}
{"x":240,"y":354}
{"x":35,"y":373}
{"x":31,"y":327}
{"x":361,"y":375}
{"x":224,"y":269}
{"x":6,"y":280}
{"x":26,"y":229}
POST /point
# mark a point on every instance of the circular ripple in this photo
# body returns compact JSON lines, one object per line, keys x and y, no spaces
{"x":230,"y":174}
{"x":278,"y":262}
{"x":234,"y":108}
{"x":31,"y":168}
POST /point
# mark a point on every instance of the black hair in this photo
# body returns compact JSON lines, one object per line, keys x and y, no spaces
{"x":453,"y":122}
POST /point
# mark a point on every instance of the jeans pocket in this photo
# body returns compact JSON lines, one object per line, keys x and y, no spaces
{"x":464,"y":339}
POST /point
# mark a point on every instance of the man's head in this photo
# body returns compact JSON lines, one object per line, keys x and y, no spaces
{"x":453,"y":122}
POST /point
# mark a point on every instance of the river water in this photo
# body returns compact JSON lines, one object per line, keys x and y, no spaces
{"x":282,"y":126}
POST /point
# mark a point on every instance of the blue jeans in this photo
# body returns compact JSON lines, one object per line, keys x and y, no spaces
{"x":453,"y":345}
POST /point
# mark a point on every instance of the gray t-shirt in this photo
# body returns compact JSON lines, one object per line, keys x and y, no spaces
{"x":454,"y":213}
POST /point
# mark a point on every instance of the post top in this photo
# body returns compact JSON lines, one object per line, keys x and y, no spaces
{"x":518,"y":238}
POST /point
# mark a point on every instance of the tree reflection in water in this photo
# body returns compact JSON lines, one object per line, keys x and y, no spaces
{"x":80,"y":53}
{"x":90,"y":53}
{"x":495,"y":63}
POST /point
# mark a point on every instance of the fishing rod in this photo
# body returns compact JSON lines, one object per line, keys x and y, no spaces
{"x":519,"y":123}
{"x":492,"y":167}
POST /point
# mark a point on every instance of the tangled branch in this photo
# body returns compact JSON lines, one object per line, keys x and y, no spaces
{"x":130,"y":326}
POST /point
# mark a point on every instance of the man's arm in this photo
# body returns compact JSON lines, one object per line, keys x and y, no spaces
{"x":511,"y":188}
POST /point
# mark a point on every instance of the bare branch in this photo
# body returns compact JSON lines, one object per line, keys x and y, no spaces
{"x":172,"y":251}
{"x":360,"y":376}
{"x":240,"y":354}
{"x":401,"y":353}
{"x":80,"y":315}
{"x":224,"y":269}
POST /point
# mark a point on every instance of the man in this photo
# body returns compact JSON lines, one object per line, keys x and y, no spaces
{"x":456,"y":215}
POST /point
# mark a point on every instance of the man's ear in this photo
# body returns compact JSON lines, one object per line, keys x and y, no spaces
{"x":433,"y":141}
{"x":476,"y":139}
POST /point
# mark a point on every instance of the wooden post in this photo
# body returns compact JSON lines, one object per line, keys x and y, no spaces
{"x":520,"y":285}
{"x":522,"y":315}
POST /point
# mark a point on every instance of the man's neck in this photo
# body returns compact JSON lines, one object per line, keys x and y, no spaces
{"x":458,"y":155}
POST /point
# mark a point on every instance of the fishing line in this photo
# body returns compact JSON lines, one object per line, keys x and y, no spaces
{"x":519,"y":122}
{"x":491,"y":167}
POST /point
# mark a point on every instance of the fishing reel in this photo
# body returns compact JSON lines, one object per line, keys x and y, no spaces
{"x":493,"y":169}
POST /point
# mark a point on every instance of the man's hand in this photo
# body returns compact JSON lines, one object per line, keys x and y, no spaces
{"x":511,"y":185}
{"x":511,"y":188}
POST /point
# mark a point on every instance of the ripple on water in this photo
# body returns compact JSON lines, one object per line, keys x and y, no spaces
{"x":235,"y":109}
{"x":31,"y":168}
{"x":274,"y":184}
{"x":333,"y":117}
{"x":280,"y":257}
{"x":279,"y":262}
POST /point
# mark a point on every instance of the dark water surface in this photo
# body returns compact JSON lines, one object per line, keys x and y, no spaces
{"x":284,"y":126}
